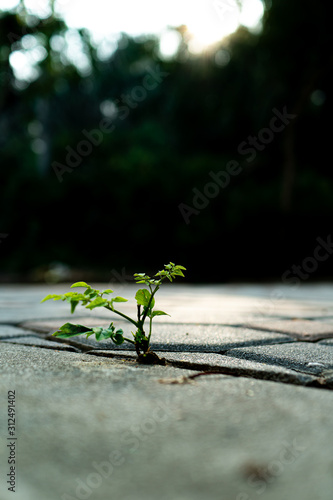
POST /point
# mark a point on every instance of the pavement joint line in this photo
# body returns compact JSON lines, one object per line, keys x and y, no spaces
{"x":272,"y":363}
{"x":297,"y":370}
{"x":84,"y":348}
{"x":258,"y":343}
{"x":78,"y":345}
{"x":318,"y":382}
{"x":19,"y":337}
{"x":313,"y":318}
{"x":195,"y":349}
{"x":12,"y":341}
{"x":169,"y":323}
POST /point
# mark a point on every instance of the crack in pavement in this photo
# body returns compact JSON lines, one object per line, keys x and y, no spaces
{"x":309,"y":380}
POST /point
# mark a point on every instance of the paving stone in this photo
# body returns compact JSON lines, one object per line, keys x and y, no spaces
{"x":224,"y":364}
{"x":326,"y":319}
{"x":10,"y":331}
{"x":33,"y":340}
{"x":210,"y":304}
{"x":301,"y":356}
{"x":309,"y":330}
{"x":170,"y":336}
{"x":326,"y":378}
{"x":221,"y":436}
{"x":105,"y":428}
{"x":326,"y":342}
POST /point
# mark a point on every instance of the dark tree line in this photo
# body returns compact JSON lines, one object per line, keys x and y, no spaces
{"x":97,"y":160}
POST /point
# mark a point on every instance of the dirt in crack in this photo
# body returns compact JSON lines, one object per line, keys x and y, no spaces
{"x":151,"y":358}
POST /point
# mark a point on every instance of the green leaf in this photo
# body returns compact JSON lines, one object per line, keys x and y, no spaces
{"x":161,"y":273}
{"x":142,"y":297}
{"x":118,"y":338}
{"x":178,"y":272}
{"x":74,"y":296}
{"x":140,"y":336}
{"x":97,"y":331}
{"x":69,"y":330}
{"x":74,"y":303}
{"x":107,"y":291}
{"x":171,"y":271}
{"x":74,"y":299}
{"x":53,"y":296}
{"x":98,"y":302}
{"x":103,"y":333}
{"x":80,"y":283}
{"x":119,"y":299}
{"x":90,"y":293}
{"x":142,"y":278}
{"x":158,"y":313}
{"x":116,"y":299}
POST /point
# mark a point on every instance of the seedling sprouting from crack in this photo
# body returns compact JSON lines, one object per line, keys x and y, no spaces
{"x":145,"y":298}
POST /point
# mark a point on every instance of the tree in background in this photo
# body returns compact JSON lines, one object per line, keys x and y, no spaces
{"x":173,"y":122}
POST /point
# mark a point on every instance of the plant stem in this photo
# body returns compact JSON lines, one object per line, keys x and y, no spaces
{"x":150,"y":328}
{"x":123,"y":315}
{"x":129,"y":340}
{"x":150,"y":301}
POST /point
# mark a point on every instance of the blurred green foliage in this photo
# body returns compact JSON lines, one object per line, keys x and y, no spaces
{"x":120,"y":206}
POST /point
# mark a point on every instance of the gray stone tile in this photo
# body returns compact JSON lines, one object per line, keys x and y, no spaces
{"x":170,"y":336}
{"x":10,"y":331}
{"x":300,"y":329}
{"x":104,"y":428}
{"x":326,"y":342}
{"x":223,"y":364}
{"x":209,"y":304}
{"x":210,"y":338}
{"x":301,"y":356}
{"x":116,"y":353}
{"x":326,"y":378}
{"x":239,"y":367}
{"x":39,"y":342}
{"x":326,"y":319}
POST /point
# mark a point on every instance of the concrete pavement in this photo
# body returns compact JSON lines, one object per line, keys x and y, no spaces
{"x":242,"y":410}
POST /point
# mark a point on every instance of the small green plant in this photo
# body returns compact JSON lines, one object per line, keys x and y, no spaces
{"x":145,"y":298}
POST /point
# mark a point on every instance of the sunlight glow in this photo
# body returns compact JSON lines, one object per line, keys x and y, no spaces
{"x":8,"y":4}
{"x":23,"y":66}
{"x":217,"y":19}
{"x":169,"y":43}
{"x":207,"y":23}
